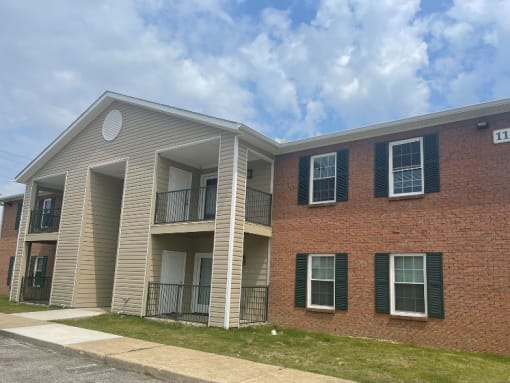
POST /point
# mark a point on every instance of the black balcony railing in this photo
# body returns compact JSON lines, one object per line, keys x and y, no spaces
{"x":178,"y":302}
{"x":186,"y":205}
{"x":254,"y":302}
{"x":258,"y":207}
{"x":191,"y":302}
{"x":44,"y":220}
{"x":36,"y":289}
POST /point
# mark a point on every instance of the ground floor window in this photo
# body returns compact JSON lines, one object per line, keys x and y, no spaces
{"x":321,"y":284}
{"x":408,"y":284}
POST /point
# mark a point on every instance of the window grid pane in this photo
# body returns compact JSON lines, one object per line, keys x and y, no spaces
{"x":409,"y":284}
{"x":407,"y":168}
{"x":322,"y":283}
{"x":324,"y":170}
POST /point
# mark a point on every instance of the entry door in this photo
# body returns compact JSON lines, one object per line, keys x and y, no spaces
{"x":202,"y":282}
{"x":179,"y":182}
{"x":46,"y":213}
{"x":208,"y":199}
{"x":173,"y":265}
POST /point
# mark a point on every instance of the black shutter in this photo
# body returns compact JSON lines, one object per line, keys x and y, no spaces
{"x":341,"y":281}
{"x":381,"y":169}
{"x":9,"y":273}
{"x":382,"y":283}
{"x":431,"y":163}
{"x":304,"y":180}
{"x":301,"y":271}
{"x":435,"y":302}
{"x":342,"y":175}
{"x":18,"y":215}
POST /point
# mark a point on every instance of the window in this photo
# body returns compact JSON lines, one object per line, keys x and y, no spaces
{"x":407,"y":284}
{"x":323,"y":180}
{"x":321,"y":275}
{"x":406,"y":167}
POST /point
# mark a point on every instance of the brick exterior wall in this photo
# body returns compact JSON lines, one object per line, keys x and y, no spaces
{"x":8,"y":241}
{"x":468,"y":221}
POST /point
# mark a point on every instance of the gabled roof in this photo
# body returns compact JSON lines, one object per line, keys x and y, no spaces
{"x":256,"y":138}
{"x":103,"y":102}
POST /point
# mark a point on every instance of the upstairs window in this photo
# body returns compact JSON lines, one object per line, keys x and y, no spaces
{"x":323,"y":180}
{"x":406,"y":167}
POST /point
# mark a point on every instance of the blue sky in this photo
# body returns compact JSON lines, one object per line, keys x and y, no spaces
{"x":289,"y":68}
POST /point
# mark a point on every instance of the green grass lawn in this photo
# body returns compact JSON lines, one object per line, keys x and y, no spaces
{"x":7,"y":307}
{"x":362,"y":360}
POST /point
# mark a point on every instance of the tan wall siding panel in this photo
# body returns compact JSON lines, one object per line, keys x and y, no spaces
{"x":99,"y":242}
{"x":143,"y":133}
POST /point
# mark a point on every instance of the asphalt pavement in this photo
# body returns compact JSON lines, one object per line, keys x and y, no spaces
{"x":24,"y":362}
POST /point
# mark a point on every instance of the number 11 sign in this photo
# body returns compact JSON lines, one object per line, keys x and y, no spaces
{"x":501,"y":135}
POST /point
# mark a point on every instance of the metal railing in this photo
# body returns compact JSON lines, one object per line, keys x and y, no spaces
{"x":179,"y":302}
{"x":258,"y":207}
{"x":44,"y":220}
{"x":191,"y":302}
{"x":186,"y":205}
{"x":35,"y":289}
{"x":254,"y":304}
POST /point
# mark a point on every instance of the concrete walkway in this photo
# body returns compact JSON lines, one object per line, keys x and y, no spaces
{"x":169,"y":363}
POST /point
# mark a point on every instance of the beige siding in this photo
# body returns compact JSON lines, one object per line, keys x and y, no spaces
{"x":143,"y":133}
{"x":256,"y":257}
{"x":22,"y":247}
{"x":99,"y":237}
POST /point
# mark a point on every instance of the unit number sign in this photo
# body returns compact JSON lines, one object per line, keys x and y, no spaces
{"x":501,"y":135}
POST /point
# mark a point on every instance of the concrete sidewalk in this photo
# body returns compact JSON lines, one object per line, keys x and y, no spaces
{"x":169,"y":363}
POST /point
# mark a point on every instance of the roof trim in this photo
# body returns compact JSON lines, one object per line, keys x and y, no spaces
{"x":13,"y":197}
{"x":407,"y":124}
{"x":97,"y":107}
{"x":257,"y":138}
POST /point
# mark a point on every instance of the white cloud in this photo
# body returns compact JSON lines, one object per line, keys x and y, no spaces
{"x":354,"y":62}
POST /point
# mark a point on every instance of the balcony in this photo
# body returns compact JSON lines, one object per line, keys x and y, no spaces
{"x":44,"y":221}
{"x":36,"y":289}
{"x":186,"y":205}
{"x":200,"y":205}
{"x":190,"y":303}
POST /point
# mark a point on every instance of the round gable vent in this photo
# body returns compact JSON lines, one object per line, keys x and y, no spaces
{"x":112,"y":124}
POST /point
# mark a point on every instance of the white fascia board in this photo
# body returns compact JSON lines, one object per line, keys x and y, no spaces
{"x":404,"y":125}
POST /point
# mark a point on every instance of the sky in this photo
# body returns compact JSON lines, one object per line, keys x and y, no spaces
{"x":290,"y":69}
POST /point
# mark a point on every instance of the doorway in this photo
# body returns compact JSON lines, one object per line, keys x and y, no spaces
{"x":179,"y":184}
{"x":202,"y":282}
{"x":173,"y":267}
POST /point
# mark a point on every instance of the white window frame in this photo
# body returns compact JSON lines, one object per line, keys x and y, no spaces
{"x":392,"y":286}
{"x":390,"y":168}
{"x":310,"y":192}
{"x":309,"y":282}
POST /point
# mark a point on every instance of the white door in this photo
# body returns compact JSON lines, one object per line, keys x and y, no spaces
{"x":173,"y":265}
{"x":47,"y":206}
{"x":179,"y":182}
{"x":202,"y":282}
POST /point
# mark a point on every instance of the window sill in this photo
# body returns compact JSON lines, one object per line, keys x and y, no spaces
{"x":320,"y":310}
{"x":322,"y":204}
{"x":404,"y":197}
{"x":409,"y":317}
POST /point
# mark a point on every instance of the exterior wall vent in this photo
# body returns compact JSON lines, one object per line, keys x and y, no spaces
{"x":112,"y":125}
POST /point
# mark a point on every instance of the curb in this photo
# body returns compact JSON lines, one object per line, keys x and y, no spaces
{"x":109,"y":360}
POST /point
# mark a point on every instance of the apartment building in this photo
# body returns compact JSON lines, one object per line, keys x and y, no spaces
{"x":396,"y":231}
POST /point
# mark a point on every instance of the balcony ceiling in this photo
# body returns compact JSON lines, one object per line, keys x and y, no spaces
{"x":201,"y":155}
{"x":54,"y":182}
